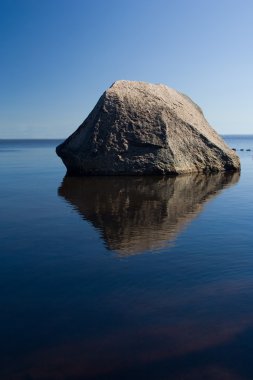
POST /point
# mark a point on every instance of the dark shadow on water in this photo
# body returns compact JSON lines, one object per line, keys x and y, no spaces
{"x":136,"y":214}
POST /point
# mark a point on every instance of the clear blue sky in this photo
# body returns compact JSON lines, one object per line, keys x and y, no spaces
{"x":58,"y":56}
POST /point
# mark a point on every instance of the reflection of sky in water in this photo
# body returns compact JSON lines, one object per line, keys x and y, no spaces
{"x":71,"y":308}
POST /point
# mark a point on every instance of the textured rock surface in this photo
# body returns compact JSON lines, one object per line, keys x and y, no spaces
{"x":141,"y":128}
{"x":136,"y":214}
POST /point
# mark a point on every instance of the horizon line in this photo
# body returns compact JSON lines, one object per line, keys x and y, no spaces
{"x":64,"y":138}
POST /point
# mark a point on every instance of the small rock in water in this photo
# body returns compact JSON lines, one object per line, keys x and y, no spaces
{"x":138,"y":128}
{"x":248,"y":150}
{"x":241,"y":150}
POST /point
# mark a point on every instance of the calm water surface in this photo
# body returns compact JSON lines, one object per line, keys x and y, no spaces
{"x":124,"y":278}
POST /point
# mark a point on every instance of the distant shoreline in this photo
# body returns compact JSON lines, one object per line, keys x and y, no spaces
{"x":32,"y":139}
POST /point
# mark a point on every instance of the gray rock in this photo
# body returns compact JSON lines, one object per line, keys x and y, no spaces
{"x":140,"y":128}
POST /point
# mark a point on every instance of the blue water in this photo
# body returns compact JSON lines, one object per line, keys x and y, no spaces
{"x":124,"y":278}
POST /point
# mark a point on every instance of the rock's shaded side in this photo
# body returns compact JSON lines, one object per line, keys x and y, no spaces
{"x":137,"y":214}
{"x":141,"y":128}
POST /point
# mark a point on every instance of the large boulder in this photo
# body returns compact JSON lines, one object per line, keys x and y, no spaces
{"x":141,"y":128}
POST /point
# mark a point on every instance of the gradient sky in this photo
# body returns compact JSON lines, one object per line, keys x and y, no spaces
{"x":58,"y":56}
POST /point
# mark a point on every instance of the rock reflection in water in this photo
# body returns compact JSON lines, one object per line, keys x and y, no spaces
{"x":136,"y":214}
